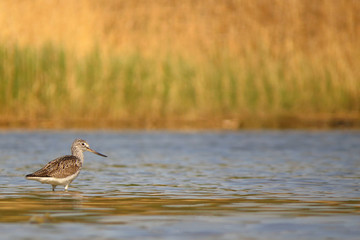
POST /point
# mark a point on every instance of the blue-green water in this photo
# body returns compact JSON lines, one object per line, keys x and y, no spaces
{"x":185,"y":185}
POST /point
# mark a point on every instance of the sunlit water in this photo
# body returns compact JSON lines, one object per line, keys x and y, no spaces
{"x":185,"y":185}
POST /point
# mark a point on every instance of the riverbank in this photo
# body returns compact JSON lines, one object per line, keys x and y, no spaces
{"x":234,"y":64}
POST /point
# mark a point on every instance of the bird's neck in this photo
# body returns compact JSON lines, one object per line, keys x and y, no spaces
{"x":77,"y":153}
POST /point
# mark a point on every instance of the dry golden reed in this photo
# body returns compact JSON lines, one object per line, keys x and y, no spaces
{"x":161,"y":63}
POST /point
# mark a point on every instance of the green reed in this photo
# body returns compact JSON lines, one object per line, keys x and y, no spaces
{"x":52,"y":84}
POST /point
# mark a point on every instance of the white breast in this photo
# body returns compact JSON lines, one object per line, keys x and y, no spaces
{"x":55,"y":181}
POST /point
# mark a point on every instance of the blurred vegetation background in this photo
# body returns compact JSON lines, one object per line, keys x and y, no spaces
{"x":180,"y":64}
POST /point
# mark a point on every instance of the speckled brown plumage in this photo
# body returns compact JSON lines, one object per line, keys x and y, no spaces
{"x":59,"y":167}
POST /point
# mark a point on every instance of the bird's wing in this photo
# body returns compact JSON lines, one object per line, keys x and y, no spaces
{"x":59,"y":168}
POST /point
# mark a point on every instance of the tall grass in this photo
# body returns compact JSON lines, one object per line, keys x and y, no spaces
{"x":161,"y":63}
{"x":51,"y":84}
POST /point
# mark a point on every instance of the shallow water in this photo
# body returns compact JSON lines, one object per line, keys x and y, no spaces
{"x":185,"y":185}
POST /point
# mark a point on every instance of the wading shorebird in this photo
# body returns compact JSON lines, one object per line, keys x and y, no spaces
{"x":63,"y":170}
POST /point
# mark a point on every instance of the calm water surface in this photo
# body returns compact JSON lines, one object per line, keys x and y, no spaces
{"x":185,"y":185}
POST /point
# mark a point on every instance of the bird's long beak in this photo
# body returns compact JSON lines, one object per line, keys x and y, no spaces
{"x":93,"y":151}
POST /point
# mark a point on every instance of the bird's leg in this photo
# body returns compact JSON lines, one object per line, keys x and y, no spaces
{"x":53,"y":187}
{"x":66,"y":187}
